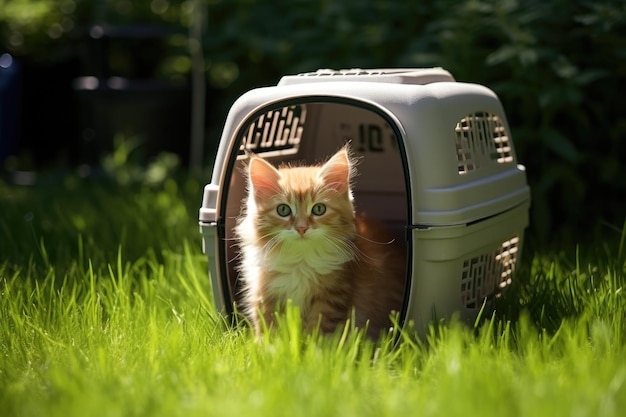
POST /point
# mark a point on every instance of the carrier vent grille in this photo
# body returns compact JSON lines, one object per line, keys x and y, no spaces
{"x":481,"y":138}
{"x":334,"y":73}
{"x":277,"y":132}
{"x":487,"y":275}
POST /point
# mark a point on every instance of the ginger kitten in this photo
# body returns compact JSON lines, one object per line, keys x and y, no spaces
{"x":300,"y":240}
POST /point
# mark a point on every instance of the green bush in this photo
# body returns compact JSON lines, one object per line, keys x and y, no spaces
{"x":47,"y":30}
{"x":558,"y":67}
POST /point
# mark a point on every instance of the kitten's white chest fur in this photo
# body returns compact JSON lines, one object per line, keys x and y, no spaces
{"x":296,"y":233}
{"x":298,"y":266}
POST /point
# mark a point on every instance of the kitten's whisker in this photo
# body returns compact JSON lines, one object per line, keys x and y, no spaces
{"x":271,"y":244}
{"x":375,"y":242}
{"x":265,"y":236}
{"x":352,"y":248}
{"x":347,"y":248}
{"x":235,"y":258}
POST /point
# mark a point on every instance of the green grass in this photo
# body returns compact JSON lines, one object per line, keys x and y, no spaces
{"x":106,"y":310}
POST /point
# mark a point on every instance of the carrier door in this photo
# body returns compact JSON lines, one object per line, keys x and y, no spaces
{"x":308,"y":131}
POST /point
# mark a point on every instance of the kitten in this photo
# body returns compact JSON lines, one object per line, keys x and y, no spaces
{"x":300,"y":239}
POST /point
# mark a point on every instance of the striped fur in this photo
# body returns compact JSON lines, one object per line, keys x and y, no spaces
{"x":320,"y":256}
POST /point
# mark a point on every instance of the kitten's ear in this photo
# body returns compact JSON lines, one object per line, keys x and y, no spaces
{"x":336,"y":172}
{"x":263,"y":178}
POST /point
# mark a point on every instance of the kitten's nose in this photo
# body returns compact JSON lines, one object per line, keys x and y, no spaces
{"x":302,"y":230}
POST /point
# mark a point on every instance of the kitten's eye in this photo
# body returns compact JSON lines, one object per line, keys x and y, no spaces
{"x":283,"y":210}
{"x":318,"y":209}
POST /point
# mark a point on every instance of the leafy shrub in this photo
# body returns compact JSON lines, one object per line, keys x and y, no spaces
{"x":558,"y":67}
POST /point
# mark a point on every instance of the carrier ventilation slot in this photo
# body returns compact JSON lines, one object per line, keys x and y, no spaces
{"x":487,"y":275}
{"x":481,"y":138}
{"x":277,"y":132}
{"x":334,"y":73}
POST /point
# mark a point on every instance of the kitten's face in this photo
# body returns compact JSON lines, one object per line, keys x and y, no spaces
{"x":302,"y":206}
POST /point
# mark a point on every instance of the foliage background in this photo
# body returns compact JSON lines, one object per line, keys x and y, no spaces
{"x":558,"y":66}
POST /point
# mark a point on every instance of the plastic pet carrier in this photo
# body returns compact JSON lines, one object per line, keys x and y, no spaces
{"x":437,"y":168}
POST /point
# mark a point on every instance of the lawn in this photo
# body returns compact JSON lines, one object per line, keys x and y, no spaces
{"x":106,"y":310}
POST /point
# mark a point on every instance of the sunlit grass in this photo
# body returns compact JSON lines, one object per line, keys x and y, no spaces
{"x":106,"y":310}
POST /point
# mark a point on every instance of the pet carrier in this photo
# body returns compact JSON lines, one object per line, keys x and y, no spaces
{"x":437,"y":167}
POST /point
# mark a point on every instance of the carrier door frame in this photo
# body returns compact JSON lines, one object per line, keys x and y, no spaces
{"x":228,"y":291}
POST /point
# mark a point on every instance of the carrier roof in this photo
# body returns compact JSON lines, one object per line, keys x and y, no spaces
{"x":383,"y":75}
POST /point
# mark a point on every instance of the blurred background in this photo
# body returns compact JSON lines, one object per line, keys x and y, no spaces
{"x":81,"y":78}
